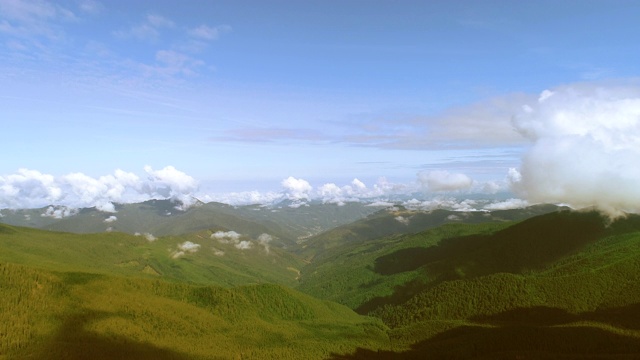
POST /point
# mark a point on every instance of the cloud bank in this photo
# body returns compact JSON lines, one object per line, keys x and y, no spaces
{"x":585,"y":148}
{"x":33,"y":189}
{"x":63,"y":195}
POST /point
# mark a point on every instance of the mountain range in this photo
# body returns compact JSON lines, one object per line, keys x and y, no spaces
{"x":318,"y":282}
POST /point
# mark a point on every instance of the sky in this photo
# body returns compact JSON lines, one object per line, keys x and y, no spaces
{"x":251,"y":101}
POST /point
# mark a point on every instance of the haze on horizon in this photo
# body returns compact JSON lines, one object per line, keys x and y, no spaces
{"x":257,"y":101}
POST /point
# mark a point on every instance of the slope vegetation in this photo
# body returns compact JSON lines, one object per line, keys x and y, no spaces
{"x":560,"y":285}
{"x":195,"y":258}
{"x":77,"y":315}
{"x":398,"y":220}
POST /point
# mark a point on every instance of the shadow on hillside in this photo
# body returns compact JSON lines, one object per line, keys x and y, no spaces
{"x":73,"y":341}
{"x":626,"y":317}
{"x":536,"y":333}
{"x":531,"y":244}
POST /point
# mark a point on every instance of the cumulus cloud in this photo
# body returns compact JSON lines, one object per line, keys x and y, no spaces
{"x":33,"y":189}
{"x":296,"y":190}
{"x":402,"y":220}
{"x":172,"y":183}
{"x":585,"y":147}
{"x":110,"y":219}
{"x":442,"y":180}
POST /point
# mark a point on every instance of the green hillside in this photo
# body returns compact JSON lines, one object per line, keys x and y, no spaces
{"x":562,"y":285}
{"x":201,"y":260}
{"x":398,"y":220}
{"x":161,"y":218}
{"x":74,"y":315}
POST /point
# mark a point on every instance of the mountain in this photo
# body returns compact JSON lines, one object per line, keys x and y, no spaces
{"x":399,"y":220}
{"x":499,"y":285}
{"x":194,"y":258}
{"x":556,"y":286}
{"x":165,"y":217}
{"x":80,"y":315}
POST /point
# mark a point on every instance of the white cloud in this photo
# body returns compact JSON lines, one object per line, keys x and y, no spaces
{"x":29,"y":189}
{"x":110,"y":219}
{"x":441,"y":203}
{"x":171,"y":183}
{"x":91,"y":6}
{"x":226,"y":237}
{"x":189,"y":246}
{"x":159,"y":21}
{"x":183,"y":249}
{"x":442,"y":180}
{"x":206,"y":32}
{"x":33,"y":19}
{"x":507,"y":205}
{"x":244,"y":198}
{"x":244,"y":245}
{"x":149,"y":237}
{"x":332,"y":193}
{"x":59,"y":212}
{"x":264,"y":240}
{"x":586,"y":146}
{"x":296,"y":189}
{"x":402,"y":220}
{"x":147,"y":30}
{"x":171,"y":63}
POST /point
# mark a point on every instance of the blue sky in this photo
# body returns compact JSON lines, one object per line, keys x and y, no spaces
{"x":243,"y":94}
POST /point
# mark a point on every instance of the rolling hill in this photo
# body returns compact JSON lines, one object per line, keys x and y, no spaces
{"x":164,"y":217}
{"x":77,"y":315}
{"x":499,"y":285}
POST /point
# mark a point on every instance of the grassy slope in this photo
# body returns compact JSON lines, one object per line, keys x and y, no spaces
{"x":161,"y":218}
{"x":75,"y":315}
{"x":128,"y":255}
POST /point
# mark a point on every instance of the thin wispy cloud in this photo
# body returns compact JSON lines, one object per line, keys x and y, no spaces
{"x":147,"y":30}
{"x":206,"y":32}
{"x":486,"y":124}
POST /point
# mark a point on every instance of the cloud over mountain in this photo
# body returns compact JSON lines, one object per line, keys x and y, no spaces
{"x":585,"y":147}
{"x":32,"y":189}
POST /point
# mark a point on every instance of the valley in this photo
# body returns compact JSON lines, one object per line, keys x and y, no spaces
{"x":330,"y":282}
